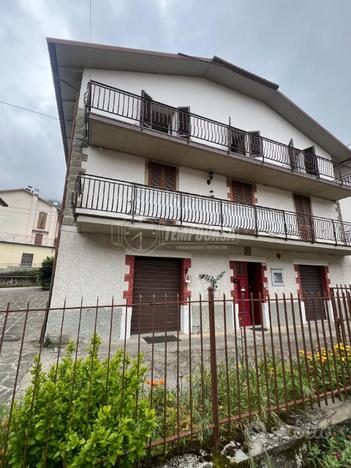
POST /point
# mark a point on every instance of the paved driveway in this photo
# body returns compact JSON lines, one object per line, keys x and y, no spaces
{"x":18,"y":298}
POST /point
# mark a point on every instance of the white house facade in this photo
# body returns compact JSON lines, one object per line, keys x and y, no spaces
{"x":181,"y":169}
{"x":28,"y":228}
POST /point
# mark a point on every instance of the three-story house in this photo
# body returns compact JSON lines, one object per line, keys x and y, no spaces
{"x":182,"y":168}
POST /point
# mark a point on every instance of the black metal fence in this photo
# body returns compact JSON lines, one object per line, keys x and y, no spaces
{"x":180,"y":122}
{"x":198,"y":381}
{"x":136,"y":202}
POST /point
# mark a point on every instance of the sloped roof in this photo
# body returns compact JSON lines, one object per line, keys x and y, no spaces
{"x":69,"y":58}
{"x":21,"y":189}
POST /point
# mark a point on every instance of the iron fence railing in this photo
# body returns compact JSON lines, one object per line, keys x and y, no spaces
{"x":180,"y":122}
{"x":103,"y":196}
{"x":197,"y":367}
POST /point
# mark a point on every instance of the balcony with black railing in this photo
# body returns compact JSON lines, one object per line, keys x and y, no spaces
{"x":136,"y":203}
{"x":162,"y":128}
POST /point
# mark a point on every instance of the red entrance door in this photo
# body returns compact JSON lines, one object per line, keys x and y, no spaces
{"x":241,"y":287}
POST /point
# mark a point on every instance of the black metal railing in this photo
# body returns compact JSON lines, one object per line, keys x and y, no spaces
{"x":136,"y":202}
{"x":180,"y":122}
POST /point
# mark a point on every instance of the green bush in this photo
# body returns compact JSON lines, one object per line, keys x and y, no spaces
{"x":82,"y":413}
{"x":45,"y":272}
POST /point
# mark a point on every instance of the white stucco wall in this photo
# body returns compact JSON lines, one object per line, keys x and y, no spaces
{"x":90,"y":266}
{"x":87,"y":266}
{"x":19,"y":221}
{"x":110,"y":164}
{"x":345,"y":205}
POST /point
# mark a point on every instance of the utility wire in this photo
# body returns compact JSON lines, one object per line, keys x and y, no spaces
{"x":30,"y":110}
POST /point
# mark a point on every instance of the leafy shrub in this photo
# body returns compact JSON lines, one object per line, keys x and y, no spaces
{"x":82,"y":412}
{"x":334,"y":450}
{"x":45,"y":272}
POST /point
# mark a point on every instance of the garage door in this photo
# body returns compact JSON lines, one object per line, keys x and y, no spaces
{"x":312,"y":283}
{"x":156,"y":277}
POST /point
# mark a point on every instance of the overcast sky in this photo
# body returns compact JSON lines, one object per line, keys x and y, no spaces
{"x":303,"y":45}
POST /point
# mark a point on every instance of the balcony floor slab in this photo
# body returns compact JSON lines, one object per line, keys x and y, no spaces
{"x":128,"y":138}
{"x":128,"y":234}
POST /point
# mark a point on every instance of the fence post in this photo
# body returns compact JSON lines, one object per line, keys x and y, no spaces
{"x":213,"y":363}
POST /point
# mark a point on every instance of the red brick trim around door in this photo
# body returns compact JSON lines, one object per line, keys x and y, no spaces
{"x":264,"y":281}
{"x":185,"y":294}
{"x":129,"y":279}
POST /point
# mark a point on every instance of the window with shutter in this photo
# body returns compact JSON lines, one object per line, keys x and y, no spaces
{"x":256,"y":147}
{"x":237,"y":141}
{"x":145,"y":109}
{"x":292,"y":155}
{"x":42,"y":220}
{"x":184,"y":121}
{"x":162,"y":176}
{"x":38,"y":239}
{"x":311,"y":163}
{"x":242,"y":193}
{"x":155,"y":115}
{"x":304,"y":217}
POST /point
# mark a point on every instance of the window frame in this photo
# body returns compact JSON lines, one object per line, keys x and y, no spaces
{"x":280,"y":271}
{"x":26,"y":264}
{"x":43,"y":216}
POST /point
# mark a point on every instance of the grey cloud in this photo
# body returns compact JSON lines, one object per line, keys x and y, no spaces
{"x":302,"y":45}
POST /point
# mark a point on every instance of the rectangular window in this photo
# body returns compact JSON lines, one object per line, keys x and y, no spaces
{"x":42,"y":220}
{"x":27,"y":260}
{"x":38,"y":239}
{"x":277,"y":277}
{"x":242,"y":193}
{"x":304,"y":218}
{"x":162,"y":176}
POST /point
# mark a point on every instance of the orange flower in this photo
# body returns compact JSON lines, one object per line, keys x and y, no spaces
{"x":155,"y":382}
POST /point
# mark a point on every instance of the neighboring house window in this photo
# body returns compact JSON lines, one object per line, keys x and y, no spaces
{"x":38,"y":239}
{"x":27,"y":259}
{"x":242,"y":192}
{"x":42,"y":220}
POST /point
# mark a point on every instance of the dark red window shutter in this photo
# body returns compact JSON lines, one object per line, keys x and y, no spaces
{"x":242,"y":193}
{"x":162,"y":176}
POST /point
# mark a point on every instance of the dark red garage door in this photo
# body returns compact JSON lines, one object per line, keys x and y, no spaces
{"x":156,"y":277}
{"x":312,"y":287}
